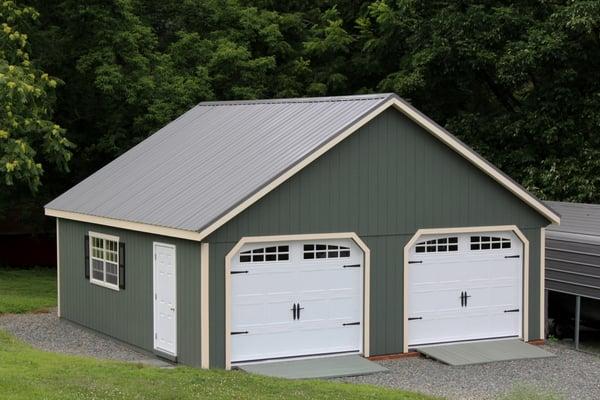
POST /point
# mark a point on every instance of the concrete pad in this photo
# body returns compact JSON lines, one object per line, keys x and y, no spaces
{"x":484,"y":351}
{"x":323,"y":367}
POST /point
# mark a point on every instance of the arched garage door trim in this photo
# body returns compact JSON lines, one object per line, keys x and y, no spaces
{"x":471,"y":229}
{"x":322,"y":236}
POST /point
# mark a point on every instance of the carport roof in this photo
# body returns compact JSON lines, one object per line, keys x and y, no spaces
{"x":576,"y":219}
{"x":217,"y":159}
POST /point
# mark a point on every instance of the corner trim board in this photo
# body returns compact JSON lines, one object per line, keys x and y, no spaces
{"x":542,"y":284}
{"x":204,"y":306}
{"x":434,"y":231}
{"x":58,"y":268}
{"x":281,"y":238}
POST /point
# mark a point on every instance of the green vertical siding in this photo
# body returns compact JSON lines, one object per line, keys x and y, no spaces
{"x":383,"y":182}
{"x":128,"y":314}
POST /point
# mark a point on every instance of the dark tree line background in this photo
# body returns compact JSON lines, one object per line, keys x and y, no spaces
{"x":517,"y":81}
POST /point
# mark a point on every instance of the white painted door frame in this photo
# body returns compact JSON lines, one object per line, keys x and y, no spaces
{"x":471,"y":229}
{"x":156,"y":286}
{"x":288,"y":238}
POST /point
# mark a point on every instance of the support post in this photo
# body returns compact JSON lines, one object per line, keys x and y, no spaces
{"x":577,"y":318}
{"x":545,"y":324}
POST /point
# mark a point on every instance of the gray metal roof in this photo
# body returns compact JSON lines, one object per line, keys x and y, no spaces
{"x":576,"y":219}
{"x":210,"y":159}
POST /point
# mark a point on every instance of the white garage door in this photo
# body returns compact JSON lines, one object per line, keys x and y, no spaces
{"x":465,"y":287}
{"x":293,"y":299}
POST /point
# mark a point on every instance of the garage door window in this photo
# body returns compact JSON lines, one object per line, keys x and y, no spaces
{"x":326,"y":251}
{"x":438,"y":245}
{"x":264,"y":254}
{"x":489,"y":242}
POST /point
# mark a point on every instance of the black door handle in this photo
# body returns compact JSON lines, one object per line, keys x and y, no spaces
{"x":299,"y":308}
{"x":466,"y":298}
{"x":462,"y":299}
{"x":294,"y":311}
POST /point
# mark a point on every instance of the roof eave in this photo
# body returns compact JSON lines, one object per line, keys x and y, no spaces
{"x":122,"y":224}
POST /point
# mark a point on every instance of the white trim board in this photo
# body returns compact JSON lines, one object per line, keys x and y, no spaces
{"x":58,"y":268}
{"x":469,"y":229}
{"x":285,"y":238}
{"x":393,"y":101}
{"x":543,"y":283}
{"x":117,"y":223}
{"x":204,"y":307}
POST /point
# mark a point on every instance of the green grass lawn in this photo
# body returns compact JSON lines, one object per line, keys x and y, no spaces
{"x":27,"y":373}
{"x":27,"y":290}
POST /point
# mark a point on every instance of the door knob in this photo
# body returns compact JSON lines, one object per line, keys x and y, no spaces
{"x":172,"y":308}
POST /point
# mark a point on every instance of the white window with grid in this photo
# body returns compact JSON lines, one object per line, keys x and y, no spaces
{"x":266,"y":254}
{"x":104,"y":260}
{"x":438,"y":245}
{"x":326,"y":251}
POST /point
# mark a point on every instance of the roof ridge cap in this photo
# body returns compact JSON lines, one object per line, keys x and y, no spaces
{"x":297,"y":100}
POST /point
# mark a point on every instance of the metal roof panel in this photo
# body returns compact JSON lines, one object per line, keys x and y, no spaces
{"x":211,"y":158}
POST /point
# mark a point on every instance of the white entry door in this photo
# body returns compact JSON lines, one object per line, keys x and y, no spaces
{"x":165,"y":299}
{"x":296,"y":299}
{"x":465,"y":287}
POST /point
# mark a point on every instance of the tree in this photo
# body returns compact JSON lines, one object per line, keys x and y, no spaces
{"x":518,"y":82}
{"x":29,"y":139}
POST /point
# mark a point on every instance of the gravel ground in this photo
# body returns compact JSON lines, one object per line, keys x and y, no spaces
{"x":47,"y":332}
{"x":571,"y":374}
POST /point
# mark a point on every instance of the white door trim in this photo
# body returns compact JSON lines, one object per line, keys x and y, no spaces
{"x":281,"y":238}
{"x":470,"y":229}
{"x":172,"y":246}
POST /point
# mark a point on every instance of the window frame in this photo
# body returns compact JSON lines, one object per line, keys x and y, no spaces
{"x":438,"y":245}
{"x":104,"y":238}
{"x":281,"y":256}
{"x":477,"y":243}
{"x":327,"y":251}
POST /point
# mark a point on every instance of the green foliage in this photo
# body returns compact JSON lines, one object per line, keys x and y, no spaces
{"x":519,"y":82}
{"x":28,"y":137}
{"x":27,"y":290}
{"x":26,"y":373}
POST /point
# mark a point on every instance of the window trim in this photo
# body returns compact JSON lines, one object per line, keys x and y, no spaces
{"x":93,"y":280}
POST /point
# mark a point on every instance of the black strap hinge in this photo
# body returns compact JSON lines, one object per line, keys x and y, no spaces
{"x":352,"y":266}
{"x":414,"y":318}
{"x":515,"y":256}
{"x":351,"y":323}
{"x":240,"y":333}
{"x":513,"y":310}
{"x":415,"y":262}
{"x":238,"y":272}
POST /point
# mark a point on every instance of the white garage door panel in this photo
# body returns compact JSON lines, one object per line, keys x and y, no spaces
{"x":490,"y":277}
{"x":264,"y":293}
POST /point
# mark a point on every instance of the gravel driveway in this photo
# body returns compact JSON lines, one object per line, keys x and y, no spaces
{"x":48,"y":332}
{"x":571,"y":374}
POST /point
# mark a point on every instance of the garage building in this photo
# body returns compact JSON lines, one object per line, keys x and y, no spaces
{"x":258,"y":230}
